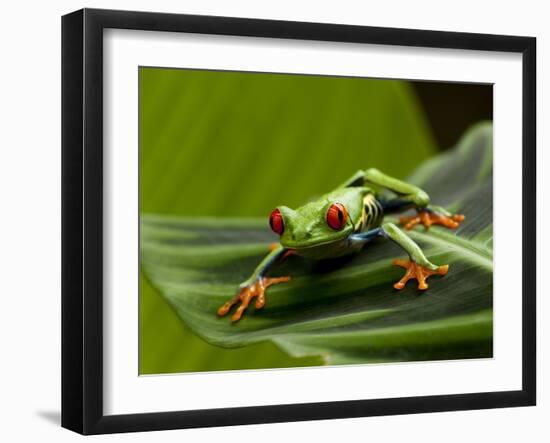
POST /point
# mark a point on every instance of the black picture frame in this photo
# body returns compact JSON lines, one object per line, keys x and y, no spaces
{"x":82,"y":220}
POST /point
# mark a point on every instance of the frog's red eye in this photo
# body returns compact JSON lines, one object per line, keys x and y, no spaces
{"x":337,"y":216}
{"x":276,"y":222}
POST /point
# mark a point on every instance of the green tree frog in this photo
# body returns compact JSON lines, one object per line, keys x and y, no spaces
{"x":342,"y":222}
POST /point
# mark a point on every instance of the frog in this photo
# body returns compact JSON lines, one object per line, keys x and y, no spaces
{"x":343,"y":222}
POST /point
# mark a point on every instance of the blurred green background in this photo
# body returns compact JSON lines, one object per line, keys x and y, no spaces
{"x":237,"y":144}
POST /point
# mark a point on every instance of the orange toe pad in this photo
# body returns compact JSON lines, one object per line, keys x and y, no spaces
{"x":428,"y":218}
{"x":418,"y":272}
{"x":246,"y":294}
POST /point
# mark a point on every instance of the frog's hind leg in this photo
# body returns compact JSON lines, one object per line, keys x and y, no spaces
{"x":428,"y":216}
{"x":411,"y":197}
{"x":357,"y":179}
{"x":431,"y":216}
{"x":417,"y":266}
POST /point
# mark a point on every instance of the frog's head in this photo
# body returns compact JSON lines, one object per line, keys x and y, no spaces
{"x":318,"y":223}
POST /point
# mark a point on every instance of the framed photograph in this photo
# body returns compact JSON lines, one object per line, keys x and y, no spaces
{"x":269,"y":221}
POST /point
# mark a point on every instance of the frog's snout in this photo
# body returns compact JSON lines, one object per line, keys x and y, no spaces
{"x":301,"y":234}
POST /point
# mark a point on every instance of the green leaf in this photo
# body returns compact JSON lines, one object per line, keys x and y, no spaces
{"x":344,"y":310}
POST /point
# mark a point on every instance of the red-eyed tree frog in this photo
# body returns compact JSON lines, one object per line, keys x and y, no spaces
{"x":342,"y":222}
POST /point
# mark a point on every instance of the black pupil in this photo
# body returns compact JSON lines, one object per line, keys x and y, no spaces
{"x":340,"y":215}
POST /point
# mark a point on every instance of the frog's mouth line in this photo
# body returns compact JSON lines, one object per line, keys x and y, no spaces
{"x":314,"y":244}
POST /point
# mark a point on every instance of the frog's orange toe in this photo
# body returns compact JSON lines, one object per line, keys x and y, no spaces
{"x":418,"y":272}
{"x":223,"y":310}
{"x":246,"y":294}
{"x":428,"y":218}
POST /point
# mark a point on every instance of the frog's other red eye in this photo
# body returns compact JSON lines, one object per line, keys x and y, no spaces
{"x":337,"y":216}
{"x":276,"y":222}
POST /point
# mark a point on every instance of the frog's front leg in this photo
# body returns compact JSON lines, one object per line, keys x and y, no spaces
{"x":256,"y":285}
{"x":417,"y":266}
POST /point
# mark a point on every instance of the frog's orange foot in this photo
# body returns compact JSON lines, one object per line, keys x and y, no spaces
{"x":428,"y":218}
{"x":418,"y":272}
{"x":246,"y":294}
